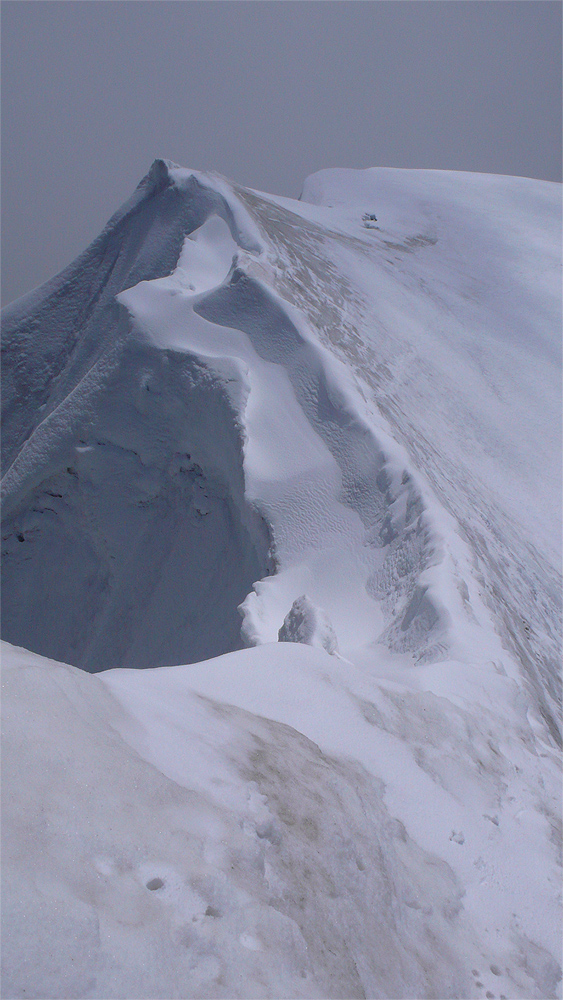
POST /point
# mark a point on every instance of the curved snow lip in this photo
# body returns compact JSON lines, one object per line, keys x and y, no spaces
{"x":141,"y":242}
{"x":193,"y":183}
{"x":233,"y":322}
{"x":196,"y":186}
{"x":396,"y":538}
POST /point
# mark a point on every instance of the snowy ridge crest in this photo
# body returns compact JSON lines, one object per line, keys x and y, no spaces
{"x":242,"y":421}
{"x":337,"y":504}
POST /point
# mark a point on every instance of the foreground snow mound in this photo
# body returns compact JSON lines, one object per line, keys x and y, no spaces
{"x":170,"y":839}
{"x":328,"y":430}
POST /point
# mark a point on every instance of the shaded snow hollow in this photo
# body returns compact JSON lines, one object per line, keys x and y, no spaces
{"x":239,"y":420}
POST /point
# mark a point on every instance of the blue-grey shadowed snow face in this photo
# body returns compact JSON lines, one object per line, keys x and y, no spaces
{"x":134,"y":544}
{"x":265,"y":93}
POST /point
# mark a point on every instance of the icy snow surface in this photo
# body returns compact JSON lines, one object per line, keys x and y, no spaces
{"x":243,"y":421}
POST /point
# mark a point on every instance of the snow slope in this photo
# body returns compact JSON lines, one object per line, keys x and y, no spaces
{"x":239,"y":420}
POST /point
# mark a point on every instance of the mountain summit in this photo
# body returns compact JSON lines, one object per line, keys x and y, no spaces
{"x":303,"y":458}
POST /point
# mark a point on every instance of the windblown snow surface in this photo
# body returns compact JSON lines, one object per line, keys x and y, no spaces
{"x":300,"y":459}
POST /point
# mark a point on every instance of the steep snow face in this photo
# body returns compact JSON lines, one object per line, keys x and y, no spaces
{"x":53,"y":336}
{"x":328,"y":430}
{"x":127,"y":536}
{"x":137,"y":544}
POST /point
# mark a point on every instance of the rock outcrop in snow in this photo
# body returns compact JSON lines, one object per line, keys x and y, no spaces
{"x":308,"y":624}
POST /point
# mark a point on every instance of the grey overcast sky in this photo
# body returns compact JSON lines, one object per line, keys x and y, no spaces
{"x":265,"y":92}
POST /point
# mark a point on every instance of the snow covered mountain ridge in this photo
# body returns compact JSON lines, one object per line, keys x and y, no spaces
{"x":240,"y":420}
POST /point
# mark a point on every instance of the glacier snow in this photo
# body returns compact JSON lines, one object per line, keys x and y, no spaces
{"x":304,"y":470}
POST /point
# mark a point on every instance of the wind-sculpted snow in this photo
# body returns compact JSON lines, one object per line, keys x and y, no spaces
{"x":391,"y":514}
{"x":328,"y":430}
{"x":126,"y":535}
{"x":188,"y":846}
{"x":53,"y":336}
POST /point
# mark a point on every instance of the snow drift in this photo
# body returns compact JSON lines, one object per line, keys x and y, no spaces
{"x":327,"y":429}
